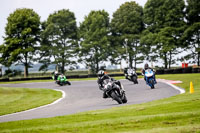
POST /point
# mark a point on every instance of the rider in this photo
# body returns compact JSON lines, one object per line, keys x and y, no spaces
{"x":62,"y":76}
{"x":101,"y":77}
{"x":128,"y":71}
{"x":146,"y":66}
{"x":55,"y":75}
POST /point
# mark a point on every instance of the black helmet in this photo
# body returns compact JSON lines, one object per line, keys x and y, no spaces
{"x":100,"y":73}
{"x":146,"y":66}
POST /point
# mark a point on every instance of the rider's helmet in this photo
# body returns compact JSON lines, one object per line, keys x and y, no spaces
{"x":146,"y":66}
{"x":56,"y":72}
{"x":100,"y":73}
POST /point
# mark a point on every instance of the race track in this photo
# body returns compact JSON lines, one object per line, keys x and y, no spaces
{"x":85,"y":95}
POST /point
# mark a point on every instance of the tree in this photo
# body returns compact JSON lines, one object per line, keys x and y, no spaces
{"x":192,"y":33}
{"x":59,"y":38}
{"x":168,"y":44}
{"x":148,"y":39}
{"x":165,"y":20}
{"x":45,"y":50}
{"x":21,"y":38}
{"x":94,"y":40}
{"x":127,"y":26}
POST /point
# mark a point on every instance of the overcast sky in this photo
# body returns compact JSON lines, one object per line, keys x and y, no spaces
{"x":80,"y":8}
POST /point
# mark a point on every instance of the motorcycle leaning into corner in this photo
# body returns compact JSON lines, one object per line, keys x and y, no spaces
{"x":61,"y":80}
{"x":149,"y":76}
{"x":114,"y":91}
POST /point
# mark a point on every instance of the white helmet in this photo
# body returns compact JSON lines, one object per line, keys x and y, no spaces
{"x":56,"y":72}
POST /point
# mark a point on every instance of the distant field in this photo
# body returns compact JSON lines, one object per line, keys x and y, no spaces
{"x":75,"y":79}
{"x":68,"y":73}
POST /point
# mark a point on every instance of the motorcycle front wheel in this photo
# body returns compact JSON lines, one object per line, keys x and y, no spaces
{"x":152,"y":84}
{"x":124,"y":100}
{"x":116,"y":98}
{"x":135,"y":80}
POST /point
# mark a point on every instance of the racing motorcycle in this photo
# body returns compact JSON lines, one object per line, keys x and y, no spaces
{"x":131,"y":75}
{"x":61,"y":80}
{"x":149,"y":77}
{"x":114,"y":91}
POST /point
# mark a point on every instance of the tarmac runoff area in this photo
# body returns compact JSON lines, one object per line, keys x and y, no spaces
{"x":85,"y":96}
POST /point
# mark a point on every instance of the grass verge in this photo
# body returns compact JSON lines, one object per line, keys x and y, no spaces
{"x":20,"y":99}
{"x":185,"y":78}
{"x":177,"y":114}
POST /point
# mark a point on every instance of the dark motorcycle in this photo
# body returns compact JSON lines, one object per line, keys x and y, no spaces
{"x":149,"y":77}
{"x":114,"y":91}
{"x":132,"y":76}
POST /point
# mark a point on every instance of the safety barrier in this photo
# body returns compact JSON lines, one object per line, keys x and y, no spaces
{"x":178,"y":70}
{"x":160,"y":71}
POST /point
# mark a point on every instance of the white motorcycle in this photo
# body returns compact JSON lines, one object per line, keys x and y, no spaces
{"x":132,"y":76}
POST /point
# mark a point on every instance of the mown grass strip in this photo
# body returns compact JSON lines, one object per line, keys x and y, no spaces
{"x":175,"y":114}
{"x":20,"y":99}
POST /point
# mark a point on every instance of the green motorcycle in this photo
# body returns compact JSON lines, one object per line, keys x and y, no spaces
{"x":61,"y":80}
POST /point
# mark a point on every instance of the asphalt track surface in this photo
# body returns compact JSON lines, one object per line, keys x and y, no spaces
{"x":84,"y":96}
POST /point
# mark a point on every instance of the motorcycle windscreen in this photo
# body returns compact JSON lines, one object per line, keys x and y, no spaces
{"x":148,"y":73}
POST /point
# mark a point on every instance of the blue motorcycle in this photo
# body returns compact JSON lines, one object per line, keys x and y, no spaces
{"x":150,"y":78}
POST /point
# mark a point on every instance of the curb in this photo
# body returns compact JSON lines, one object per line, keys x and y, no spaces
{"x":177,"y":88}
{"x":171,"y":83}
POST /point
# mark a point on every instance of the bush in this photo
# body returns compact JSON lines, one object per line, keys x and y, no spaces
{"x":178,"y":70}
{"x":187,"y":70}
{"x":11,"y":73}
{"x":168,"y":71}
{"x":195,"y":70}
{"x":7,"y":72}
{"x":160,"y":71}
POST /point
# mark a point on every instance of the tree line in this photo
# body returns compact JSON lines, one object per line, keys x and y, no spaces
{"x":159,"y":30}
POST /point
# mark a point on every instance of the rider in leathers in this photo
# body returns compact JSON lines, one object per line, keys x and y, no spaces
{"x":127,"y":71}
{"x":146,"y":66}
{"x":101,"y":77}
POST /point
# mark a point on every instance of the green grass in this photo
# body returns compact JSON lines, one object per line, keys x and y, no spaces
{"x":177,"y":114}
{"x":185,"y":78}
{"x":19,"y":99}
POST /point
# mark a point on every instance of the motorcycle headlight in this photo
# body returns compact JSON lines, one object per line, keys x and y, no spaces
{"x":109,"y":86}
